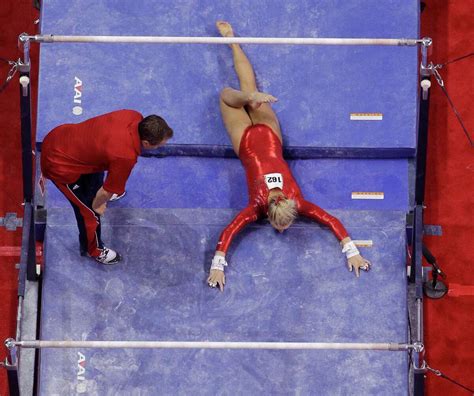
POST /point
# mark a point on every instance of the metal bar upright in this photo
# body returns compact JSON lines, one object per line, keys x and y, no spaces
{"x":29,"y":239}
{"x":25,"y":109}
{"x":416,"y":273}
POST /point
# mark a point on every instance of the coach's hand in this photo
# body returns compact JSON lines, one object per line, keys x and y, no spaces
{"x":99,"y":204}
{"x":100,"y":210}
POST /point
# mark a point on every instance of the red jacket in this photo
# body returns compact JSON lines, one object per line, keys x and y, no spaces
{"x":109,"y":142}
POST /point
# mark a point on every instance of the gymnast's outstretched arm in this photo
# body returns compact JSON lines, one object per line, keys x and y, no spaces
{"x":244,"y":217}
{"x":354,"y":260}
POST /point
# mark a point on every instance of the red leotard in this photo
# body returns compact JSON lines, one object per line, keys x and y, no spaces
{"x":261,"y":153}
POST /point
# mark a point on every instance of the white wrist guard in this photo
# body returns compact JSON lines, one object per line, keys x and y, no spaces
{"x":350,"y":249}
{"x":218,"y":263}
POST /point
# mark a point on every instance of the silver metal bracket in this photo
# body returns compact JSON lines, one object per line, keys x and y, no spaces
{"x":23,"y":38}
{"x":419,"y":363}
{"x":426,"y":43}
{"x":426,"y":69}
{"x":24,"y":45}
{"x":10,"y":343}
{"x":421,"y":369}
{"x":418,"y":347}
{"x":431,"y":70}
{"x":23,"y":67}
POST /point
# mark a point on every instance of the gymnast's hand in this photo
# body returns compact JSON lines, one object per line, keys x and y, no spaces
{"x":358,"y":263}
{"x":217,"y":276}
{"x":216,"y":279}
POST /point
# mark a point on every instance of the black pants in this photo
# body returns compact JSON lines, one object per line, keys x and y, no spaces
{"x":80,"y":194}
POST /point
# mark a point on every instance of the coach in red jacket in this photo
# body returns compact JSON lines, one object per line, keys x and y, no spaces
{"x":75,"y":156}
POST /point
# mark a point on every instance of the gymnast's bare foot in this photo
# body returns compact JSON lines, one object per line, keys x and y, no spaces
{"x":257,"y":98}
{"x":225,"y":29}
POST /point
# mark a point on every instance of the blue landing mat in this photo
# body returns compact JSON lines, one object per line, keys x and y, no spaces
{"x":184,"y":182}
{"x":288,"y":287}
{"x":318,"y":87}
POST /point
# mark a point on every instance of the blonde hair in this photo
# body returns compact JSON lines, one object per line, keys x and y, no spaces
{"x":282,"y":212}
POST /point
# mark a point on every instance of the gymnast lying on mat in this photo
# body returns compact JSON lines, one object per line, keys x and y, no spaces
{"x":256,"y":137}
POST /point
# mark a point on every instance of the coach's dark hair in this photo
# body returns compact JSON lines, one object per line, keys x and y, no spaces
{"x":154,"y":129}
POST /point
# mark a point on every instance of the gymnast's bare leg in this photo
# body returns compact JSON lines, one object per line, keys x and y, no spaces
{"x":244,"y":107}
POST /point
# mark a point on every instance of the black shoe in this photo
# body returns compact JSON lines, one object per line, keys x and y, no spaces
{"x":108,"y":256}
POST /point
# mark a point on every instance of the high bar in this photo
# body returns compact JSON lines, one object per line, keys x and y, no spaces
{"x":52,"y":38}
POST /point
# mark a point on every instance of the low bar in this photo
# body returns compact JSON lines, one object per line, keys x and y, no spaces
{"x":213,"y":345}
{"x":51,"y":38}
